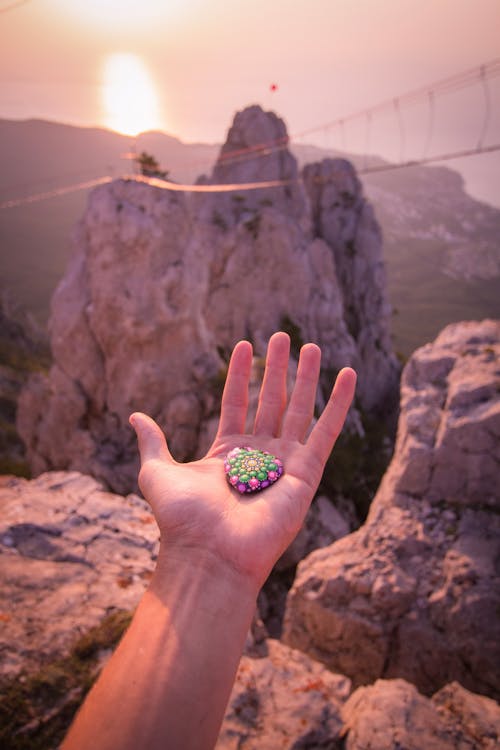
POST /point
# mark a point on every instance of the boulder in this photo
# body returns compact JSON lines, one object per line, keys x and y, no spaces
{"x":391,"y":714}
{"x":323,"y":525}
{"x":283,"y":700}
{"x":287,"y":700}
{"x":415,"y":593}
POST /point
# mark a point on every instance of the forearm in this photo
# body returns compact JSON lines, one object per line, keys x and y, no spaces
{"x":168,"y":683}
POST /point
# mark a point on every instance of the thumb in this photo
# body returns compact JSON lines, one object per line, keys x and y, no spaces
{"x":151,"y":440}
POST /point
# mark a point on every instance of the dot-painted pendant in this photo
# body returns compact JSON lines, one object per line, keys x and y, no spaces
{"x":251,"y":470}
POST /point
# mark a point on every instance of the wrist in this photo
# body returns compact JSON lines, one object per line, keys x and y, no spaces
{"x":184,"y":572}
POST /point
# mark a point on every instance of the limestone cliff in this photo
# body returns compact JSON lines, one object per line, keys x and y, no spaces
{"x":415,"y":593}
{"x":162,"y":284}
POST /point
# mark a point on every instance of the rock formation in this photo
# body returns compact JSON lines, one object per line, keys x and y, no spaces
{"x":74,"y":556}
{"x":256,"y":150}
{"x":287,"y":700}
{"x":283,"y":700}
{"x":162,"y":284}
{"x":71,"y":553}
{"x":392,"y":714}
{"x":415,"y":593}
{"x":346,"y":221}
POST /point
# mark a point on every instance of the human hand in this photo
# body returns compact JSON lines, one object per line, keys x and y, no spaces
{"x":199,"y":514}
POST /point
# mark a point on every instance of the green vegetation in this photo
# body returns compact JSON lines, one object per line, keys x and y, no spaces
{"x":23,"y":359}
{"x":16,"y":468}
{"x":218,"y":381}
{"x":37,"y":709}
{"x":149,"y":166}
{"x":219,"y":221}
{"x":23,"y":351}
{"x":253,"y":225}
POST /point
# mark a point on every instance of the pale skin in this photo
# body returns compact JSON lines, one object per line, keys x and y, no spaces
{"x":168,"y":682}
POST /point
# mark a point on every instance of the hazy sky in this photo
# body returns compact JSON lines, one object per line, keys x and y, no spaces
{"x":207,"y":58}
{"x":185,"y":66}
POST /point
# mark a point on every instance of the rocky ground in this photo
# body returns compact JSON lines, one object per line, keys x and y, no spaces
{"x":390,"y":637}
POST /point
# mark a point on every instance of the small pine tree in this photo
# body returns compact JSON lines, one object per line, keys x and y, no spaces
{"x":149,"y":166}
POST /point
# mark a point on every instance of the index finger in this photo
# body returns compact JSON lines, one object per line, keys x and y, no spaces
{"x":235,"y":396}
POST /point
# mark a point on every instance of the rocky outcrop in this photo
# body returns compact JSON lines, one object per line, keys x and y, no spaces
{"x":127,"y":333}
{"x":392,"y":714}
{"x":162,"y":284}
{"x":283,"y":700}
{"x":256,"y":150}
{"x":345,"y":220}
{"x":415,"y":592}
{"x":70,"y":553}
{"x":289,"y":701}
{"x":75,"y":560}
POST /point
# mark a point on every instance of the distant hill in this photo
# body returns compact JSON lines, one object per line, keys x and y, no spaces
{"x":442,"y":247}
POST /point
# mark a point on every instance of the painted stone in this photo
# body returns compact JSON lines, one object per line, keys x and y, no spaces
{"x":251,"y":470}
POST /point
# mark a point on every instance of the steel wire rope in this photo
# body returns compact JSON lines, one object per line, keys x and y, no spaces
{"x":446,"y":85}
{"x":235,"y":187}
{"x":487,"y":108}
{"x":92,"y":172}
{"x":367,"y":138}
{"x":15,"y":202}
{"x":430,"y":124}
{"x":260,"y":150}
{"x":452,"y":83}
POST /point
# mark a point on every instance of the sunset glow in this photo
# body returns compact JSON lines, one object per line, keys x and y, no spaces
{"x":120,"y":13}
{"x":129,"y":97}
{"x":189,"y":65}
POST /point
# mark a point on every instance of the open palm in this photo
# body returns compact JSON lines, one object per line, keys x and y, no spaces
{"x":198,"y":512}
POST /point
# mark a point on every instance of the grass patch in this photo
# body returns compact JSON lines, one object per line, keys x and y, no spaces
{"x":24,"y":361}
{"x":37,"y":709}
{"x":18,"y":468}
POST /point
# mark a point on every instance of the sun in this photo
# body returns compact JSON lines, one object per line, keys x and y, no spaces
{"x":129,"y":98}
